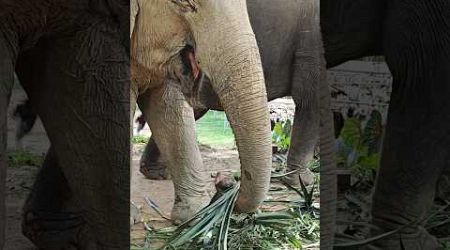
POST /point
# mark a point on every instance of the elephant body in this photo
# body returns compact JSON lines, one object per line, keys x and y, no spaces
{"x":175,"y":44}
{"x":414,"y":37}
{"x":289,"y":43}
{"x":72,"y":59}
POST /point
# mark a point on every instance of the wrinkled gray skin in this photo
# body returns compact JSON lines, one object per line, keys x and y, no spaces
{"x":293,"y":64}
{"x":171,"y":42}
{"x":289,"y":41}
{"x":287,"y":38}
{"x":72,"y":59}
{"x":414,"y":36}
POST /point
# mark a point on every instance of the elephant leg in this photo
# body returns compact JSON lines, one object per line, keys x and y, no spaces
{"x":413,"y":156}
{"x":416,"y":144}
{"x":172,"y":123}
{"x":4,"y":95}
{"x":83,"y":99}
{"x":328,"y":176}
{"x":151,"y":166}
{"x":304,"y":138}
{"x":51,"y":215}
{"x":305,"y":92}
{"x":6,"y":83}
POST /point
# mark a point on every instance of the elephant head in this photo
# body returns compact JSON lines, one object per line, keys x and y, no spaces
{"x":211,"y":38}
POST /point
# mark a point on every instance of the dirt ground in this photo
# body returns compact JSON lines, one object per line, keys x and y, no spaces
{"x":161,"y":191}
{"x":20,"y":179}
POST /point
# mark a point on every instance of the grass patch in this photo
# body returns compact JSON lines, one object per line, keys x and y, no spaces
{"x":24,"y":158}
{"x":214,"y":130}
{"x":140,"y":139}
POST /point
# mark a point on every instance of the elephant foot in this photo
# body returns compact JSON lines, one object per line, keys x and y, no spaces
{"x":154,"y":171}
{"x":186,"y":207}
{"x":418,"y":239}
{"x":54,"y":231}
{"x":305,"y":175}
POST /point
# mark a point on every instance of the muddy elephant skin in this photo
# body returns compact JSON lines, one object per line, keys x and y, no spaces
{"x":414,"y":37}
{"x":72,"y":58}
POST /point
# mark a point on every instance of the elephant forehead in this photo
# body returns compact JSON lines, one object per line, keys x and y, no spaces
{"x":159,"y":34}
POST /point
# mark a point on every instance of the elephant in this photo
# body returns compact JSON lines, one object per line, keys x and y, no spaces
{"x":72,"y":59}
{"x":309,"y":68}
{"x":175,"y":44}
{"x":414,"y":38}
{"x":290,"y":69}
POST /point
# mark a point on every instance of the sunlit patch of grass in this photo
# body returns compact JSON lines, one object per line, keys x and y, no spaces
{"x":140,"y":139}
{"x":213,"y":130}
{"x":23,"y":158}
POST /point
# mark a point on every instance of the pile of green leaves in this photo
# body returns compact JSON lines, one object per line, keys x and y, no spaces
{"x":287,"y":229}
{"x":438,"y":223}
{"x":216,"y":228}
{"x":281,"y":135}
{"x":358,"y":145}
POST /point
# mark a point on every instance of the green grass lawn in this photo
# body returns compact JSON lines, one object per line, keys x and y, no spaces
{"x":213,"y":130}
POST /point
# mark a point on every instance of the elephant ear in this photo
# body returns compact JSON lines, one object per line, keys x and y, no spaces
{"x":185,"y":6}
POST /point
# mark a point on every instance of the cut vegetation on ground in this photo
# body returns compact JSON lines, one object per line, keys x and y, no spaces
{"x":359,"y":146}
{"x":288,"y":219}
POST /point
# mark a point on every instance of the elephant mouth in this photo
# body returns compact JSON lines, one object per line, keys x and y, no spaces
{"x":192,"y":77}
{"x":189,"y":61}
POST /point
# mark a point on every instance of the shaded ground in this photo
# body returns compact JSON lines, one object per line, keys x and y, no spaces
{"x":353,"y":216}
{"x":20,"y":178}
{"x":161,"y":191}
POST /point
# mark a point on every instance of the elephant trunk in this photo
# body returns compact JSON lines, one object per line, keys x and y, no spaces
{"x":242,"y":93}
{"x":229,"y":55}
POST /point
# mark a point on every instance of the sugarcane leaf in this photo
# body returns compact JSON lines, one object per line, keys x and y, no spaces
{"x":351,"y":132}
